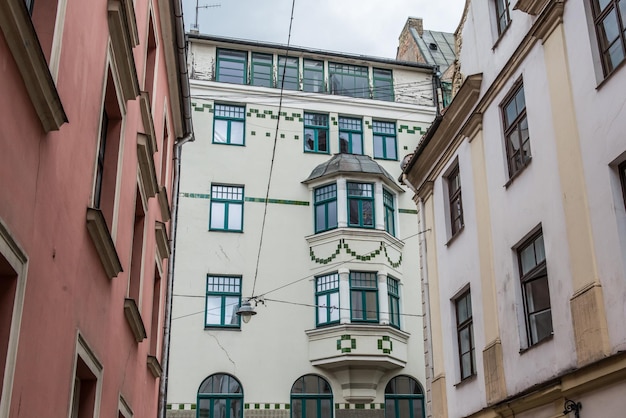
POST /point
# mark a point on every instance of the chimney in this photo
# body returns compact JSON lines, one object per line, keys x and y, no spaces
{"x":416,"y":23}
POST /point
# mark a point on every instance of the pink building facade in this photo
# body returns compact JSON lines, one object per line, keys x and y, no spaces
{"x":94,"y":107}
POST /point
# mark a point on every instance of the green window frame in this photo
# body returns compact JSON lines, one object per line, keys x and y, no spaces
{"x":385,"y":143}
{"x":350,"y":135}
{"x":327,"y":299}
{"x":404,"y":398}
{"x":232,"y":66}
{"x":262,"y":67}
{"x":609,"y":17}
{"x":220,"y":396}
{"x":229,"y":125}
{"x":383,"y":84}
{"x":393,"y":294}
{"x":313,"y":76}
{"x":290,"y":67}
{"x":363,"y":297}
{"x":390,"y":212}
{"x":311,"y":397}
{"x":348,"y":80}
{"x":325,"y":206}
{"x":226,"y":212}
{"x":223,"y":297}
{"x":465,"y":334}
{"x":316,"y":133}
{"x":361,"y":205}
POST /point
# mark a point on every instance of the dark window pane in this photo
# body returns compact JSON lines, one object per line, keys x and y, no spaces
{"x":537,"y":295}
{"x":540,"y":326}
{"x":322,"y":141}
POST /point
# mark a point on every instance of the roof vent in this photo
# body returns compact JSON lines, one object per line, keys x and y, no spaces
{"x":432,"y":46}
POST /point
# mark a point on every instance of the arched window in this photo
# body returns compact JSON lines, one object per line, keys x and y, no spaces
{"x":311,"y":397}
{"x":404,"y":398}
{"x":220,"y":396}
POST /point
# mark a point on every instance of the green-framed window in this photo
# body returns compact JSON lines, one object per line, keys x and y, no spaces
{"x":223,"y":297}
{"x":313,"y":76}
{"x":404,"y":398}
{"x":361,"y":205}
{"x":348,"y":80}
{"x":327,"y":299}
{"x":385,"y":144}
{"x":350,"y":135}
{"x":316,"y":133}
{"x":465,"y":334}
{"x":390,"y":212}
{"x":288,"y":65}
{"x":383,"y":85}
{"x":231,"y":66}
{"x":311,"y":397}
{"x":229,"y":124}
{"x":325,"y":202}
{"x":393,"y":294}
{"x":363,"y":296}
{"x":220,"y":396}
{"x":262,"y":70}
{"x":226,"y":208}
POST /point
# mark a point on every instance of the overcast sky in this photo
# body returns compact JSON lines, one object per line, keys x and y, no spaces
{"x":366,"y":27}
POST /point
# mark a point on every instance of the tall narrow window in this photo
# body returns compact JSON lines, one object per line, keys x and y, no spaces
{"x":516,"y":130}
{"x":465,"y":334}
{"x":350,"y":136}
{"x":393,"y":294}
{"x":311,"y":397}
{"x":316,"y":132}
{"x":226,"y":208}
{"x":383,"y":85}
{"x":156,"y":310}
{"x":390,"y":212}
{"x":220,"y":396}
{"x":223,"y":297}
{"x":361,"y":205}
{"x":385,"y":146}
{"x":289,"y":67}
{"x":325,"y":208}
{"x":313,"y":76}
{"x":348,"y":80}
{"x":327,"y":299}
{"x":165,"y":152}
{"x":151,"y":49}
{"x":454,"y":199}
{"x":535,"y":288}
{"x":136,"y":262}
{"x":86,"y":390}
{"x":404,"y":398}
{"x":503,"y":18}
{"x":363,"y":296}
{"x":231,"y":66}
{"x":261,"y":70}
{"x":229,"y":124}
{"x":610,"y":21}
{"x":622,"y":178}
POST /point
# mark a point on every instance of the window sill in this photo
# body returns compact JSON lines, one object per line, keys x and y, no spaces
{"x":133,"y":317}
{"x":160,"y":232}
{"x":453,"y":237}
{"x":228,"y":143}
{"x":154,"y":366}
{"x":465,"y":381}
{"x":385,"y":159}
{"x":122,"y":41}
{"x":164,"y":204}
{"x":544,"y":341}
{"x":227,"y":230}
{"x":101,"y":238}
{"x":317,"y":152}
{"x":222,"y":327}
{"x":518,"y":173}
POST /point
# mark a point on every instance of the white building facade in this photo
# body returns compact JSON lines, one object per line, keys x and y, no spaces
{"x":289,"y":200}
{"x":520,"y":189}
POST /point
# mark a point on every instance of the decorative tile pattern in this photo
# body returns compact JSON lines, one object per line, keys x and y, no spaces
{"x":249,"y":199}
{"x":385,"y":344}
{"x":360,"y":257}
{"x":266,"y":406}
{"x":411,"y":211}
{"x":181,"y":406}
{"x":346,"y":344}
{"x":359,"y":406}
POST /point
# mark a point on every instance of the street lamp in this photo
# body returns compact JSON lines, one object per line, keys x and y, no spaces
{"x":246,"y":311}
{"x":571,"y":406}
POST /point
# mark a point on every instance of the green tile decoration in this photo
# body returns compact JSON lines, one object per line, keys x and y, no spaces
{"x":405,"y":148}
{"x":360,"y":257}
{"x":282,"y":135}
{"x":253,"y":133}
{"x":410,"y":211}
{"x":268,"y":134}
{"x":193,"y":406}
{"x":359,"y":406}
{"x":296,"y":137}
{"x":277,"y":201}
{"x":248,"y":114}
{"x":246,"y":406}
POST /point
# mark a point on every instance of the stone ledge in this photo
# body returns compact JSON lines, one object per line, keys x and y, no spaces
{"x":103,"y":242}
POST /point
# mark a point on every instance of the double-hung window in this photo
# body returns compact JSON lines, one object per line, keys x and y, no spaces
{"x":363,"y":296}
{"x":223,"y":297}
{"x":229,"y":124}
{"x":454,"y":199}
{"x":465,"y":334}
{"x":350,"y":136}
{"x":361,"y":205}
{"x":393,"y":293}
{"x":348,"y":80}
{"x":316,"y":133}
{"x":385,"y":146}
{"x":313,"y":76}
{"x":231,"y":66}
{"x":503,"y":18}
{"x":535,"y":289}
{"x":327,"y":299}
{"x":226,"y":208}
{"x":261,"y":70}
{"x":289,"y":67}
{"x":390,"y":212}
{"x":325,"y":208}
{"x":609,"y":17}
{"x":516,"y":130}
{"x":383,"y":85}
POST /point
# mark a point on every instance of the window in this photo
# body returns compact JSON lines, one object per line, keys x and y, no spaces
{"x":316,"y":133}
{"x":231,"y":66}
{"x":156,"y":311}
{"x":502,"y":15}
{"x":262,"y":70}
{"x":361,"y":205}
{"x":29,"y":5}
{"x":325,"y":208}
{"x":136,"y":261}
{"x":383,"y":85}
{"x":223,"y":297}
{"x":390,"y":213}
{"x":348,"y":80}
{"x":350,"y":136}
{"x":610,"y":21}
{"x":220,"y":396}
{"x":454,"y":198}
{"x":385,"y":146}
{"x":313,"y":80}
{"x":465,"y":334}
{"x":87,"y":387}
{"x":516,"y":131}
{"x":229,"y":124}
{"x":622,"y":178}
{"x":393,"y":293}
{"x":288,"y":66}
{"x":404,"y":398}
{"x":226,"y":208}
{"x":151,"y":52}
{"x":327,"y":299}
{"x":311,"y":397}
{"x":363,"y":297}
{"x":535,"y":290}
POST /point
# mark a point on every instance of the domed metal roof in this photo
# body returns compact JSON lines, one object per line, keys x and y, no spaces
{"x":349,"y":163}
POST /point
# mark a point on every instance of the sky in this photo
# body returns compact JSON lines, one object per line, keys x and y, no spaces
{"x":364,"y":27}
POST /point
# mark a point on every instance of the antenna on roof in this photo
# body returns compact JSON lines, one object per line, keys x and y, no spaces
{"x":195,"y":28}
